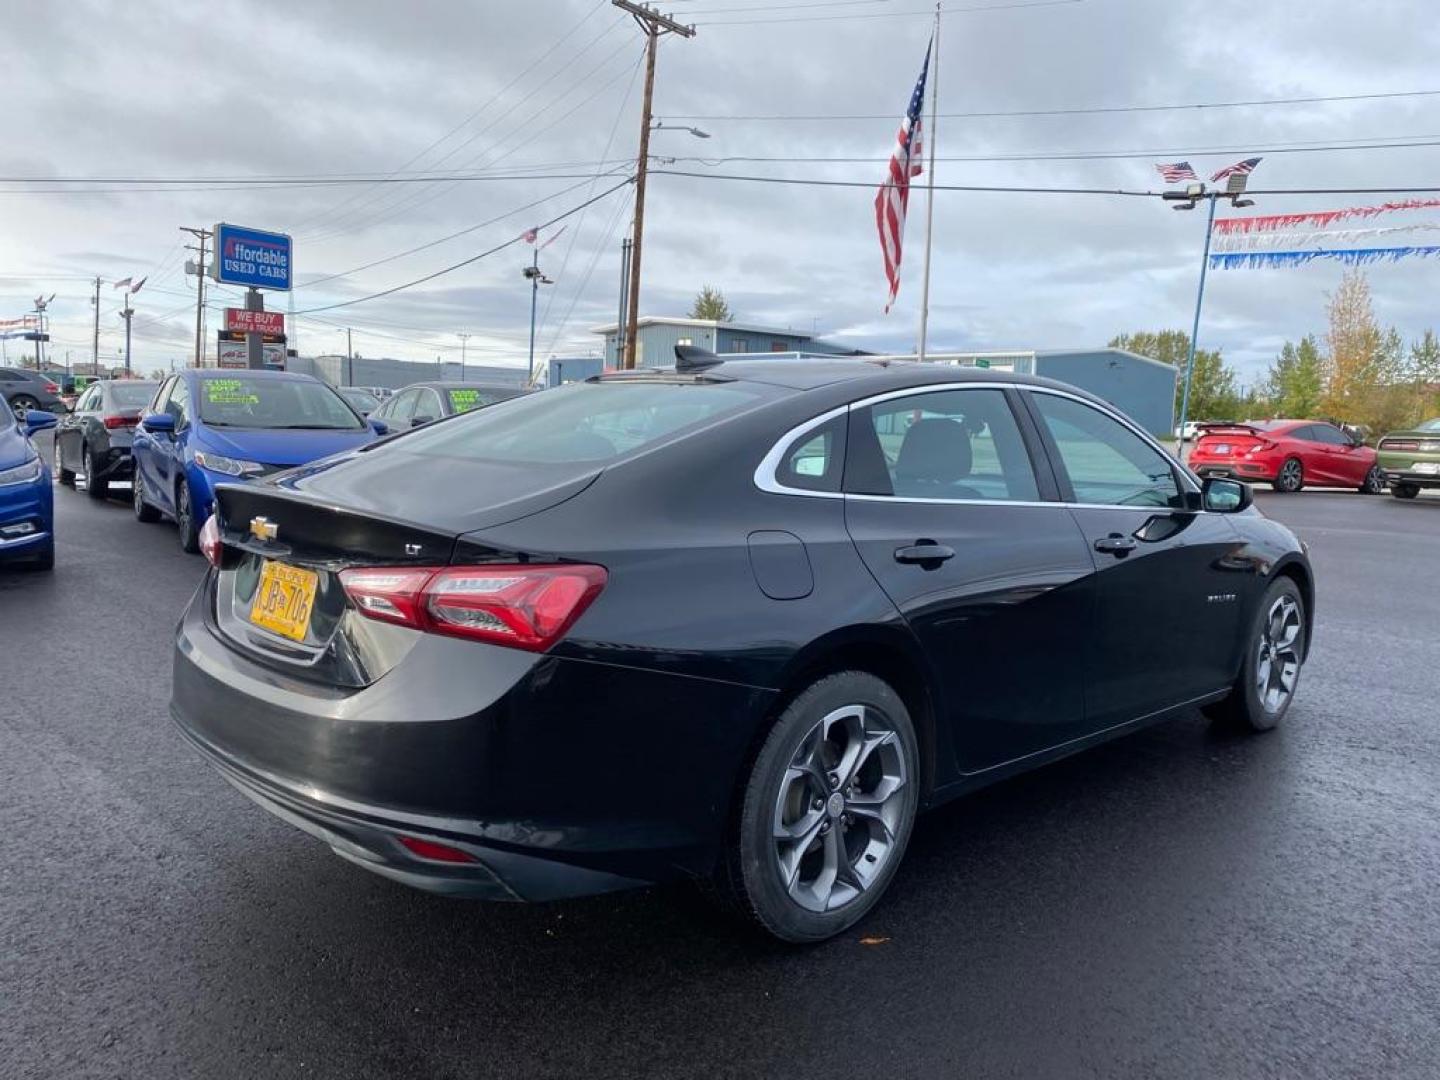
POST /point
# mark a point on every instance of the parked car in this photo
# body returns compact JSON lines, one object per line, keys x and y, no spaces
{"x":25,"y":390}
{"x":1186,"y":432}
{"x":205,"y":426}
{"x":360,"y":399}
{"x":737,"y":622}
{"x":1288,"y":455}
{"x":94,"y":438}
{"x":27,"y":504}
{"x":1411,"y":459}
{"x":420,"y":403}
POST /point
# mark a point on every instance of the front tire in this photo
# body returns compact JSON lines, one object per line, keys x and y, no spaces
{"x":185,"y":519}
{"x":143,"y":511}
{"x":1405,"y":491}
{"x":20,"y":404}
{"x":1291,"y":477}
{"x":826,"y":812}
{"x":1374,"y":481}
{"x":1274,"y":653}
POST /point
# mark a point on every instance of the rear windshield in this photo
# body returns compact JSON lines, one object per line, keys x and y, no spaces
{"x":465,"y":398}
{"x":582,"y":422}
{"x":246,"y":401}
{"x":361,"y":399}
{"x":1429,"y":425}
{"x":131,"y":395}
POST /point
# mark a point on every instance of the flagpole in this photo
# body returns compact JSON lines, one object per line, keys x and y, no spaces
{"x":930,"y":193}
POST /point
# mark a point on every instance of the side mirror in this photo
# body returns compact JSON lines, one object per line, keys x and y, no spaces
{"x":417,"y":421}
{"x":35,"y":420}
{"x":379,"y":426}
{"x":1221,"y":496}
{"x":158,"y":422}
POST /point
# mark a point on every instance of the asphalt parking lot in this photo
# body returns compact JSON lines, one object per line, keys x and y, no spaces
{"x":1176,"y":904}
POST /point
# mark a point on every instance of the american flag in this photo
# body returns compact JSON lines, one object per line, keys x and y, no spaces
{"x":1176,"y":171}
{"x":1240,"y":168}
{"x":893,"y":197}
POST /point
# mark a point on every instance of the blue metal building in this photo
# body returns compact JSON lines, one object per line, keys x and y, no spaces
{"x":657,"y":336}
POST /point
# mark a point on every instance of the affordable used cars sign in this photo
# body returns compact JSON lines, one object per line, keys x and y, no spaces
{"x":251,"y":257}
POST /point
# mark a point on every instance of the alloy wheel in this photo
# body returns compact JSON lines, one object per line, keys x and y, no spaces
{"x":839,"y":808}
{"x":20,"y":405}
{"x":1374,"y":481}
{"x":1278,"y":660}
{"x":1290,"y":475}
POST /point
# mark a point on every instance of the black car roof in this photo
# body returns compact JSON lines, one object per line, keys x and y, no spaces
{"x":864,"y":375}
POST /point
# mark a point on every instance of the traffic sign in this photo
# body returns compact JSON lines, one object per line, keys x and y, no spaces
{"x":251,"y":257}
{"x":240,"y":321}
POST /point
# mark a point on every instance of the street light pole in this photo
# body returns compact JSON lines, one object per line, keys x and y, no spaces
{"x":464,"y":337}
{"x":127,"y":314}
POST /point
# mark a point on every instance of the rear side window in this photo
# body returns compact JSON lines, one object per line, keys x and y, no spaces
{"x":815,"y":460}
{"x":583,"y":422}
{"x":953,"y":445}
{"x":131,"y":395}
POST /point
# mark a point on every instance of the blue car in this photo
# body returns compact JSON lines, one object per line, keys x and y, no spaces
{"x":27,"y":505}
{"x":211,"y":426}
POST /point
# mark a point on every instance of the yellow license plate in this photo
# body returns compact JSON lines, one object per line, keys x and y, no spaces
{"x":284,"y":599}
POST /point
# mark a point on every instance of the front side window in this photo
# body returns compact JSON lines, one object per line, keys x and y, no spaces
{"x":1330,"y":436}
{"x":950,"y":445}
{"x":1107,"y":463}
{"x":247,"y":401}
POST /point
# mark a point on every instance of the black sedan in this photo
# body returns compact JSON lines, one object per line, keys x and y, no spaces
{"x":421,"y":403}
{"x":94,"y":439}
{"x":735,"y":622}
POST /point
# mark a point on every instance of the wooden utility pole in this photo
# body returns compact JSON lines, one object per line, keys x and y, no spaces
{"x":95,"y":341}
{"x":202,"y":235}
{"x":653,"y":24}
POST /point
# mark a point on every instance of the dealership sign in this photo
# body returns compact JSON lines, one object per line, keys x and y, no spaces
{"x":251,"y":257}
{"x":240,"y":321}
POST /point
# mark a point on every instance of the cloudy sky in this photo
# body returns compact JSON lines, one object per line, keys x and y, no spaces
{"x":536,"y":104}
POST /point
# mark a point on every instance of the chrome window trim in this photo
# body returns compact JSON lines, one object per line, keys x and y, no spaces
{"x":769,"y":465}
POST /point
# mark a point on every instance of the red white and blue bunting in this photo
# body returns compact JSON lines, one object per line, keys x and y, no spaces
{"x":1285,"y":240}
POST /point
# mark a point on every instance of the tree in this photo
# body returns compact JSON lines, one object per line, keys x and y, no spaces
{"x":1424,"y":366}
{"x":1213,"y":394}
{"x":1358,"y":354}
{"x":710,"y":304}
{"x":1295,"y":382}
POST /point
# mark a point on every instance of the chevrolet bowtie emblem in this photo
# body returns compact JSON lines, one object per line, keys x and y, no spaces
{"x":262,"y":528}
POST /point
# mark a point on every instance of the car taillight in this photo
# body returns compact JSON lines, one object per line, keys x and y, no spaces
{"x":526,"y":607}
{"x":210,"y":541}
{"x":113,"y":422}
{"x":50,"y":387}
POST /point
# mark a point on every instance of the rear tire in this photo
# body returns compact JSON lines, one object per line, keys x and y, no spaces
{"x":64,"y":475}
{"x":1374,"y":482}
{"x":185,"y":519}
{"x":1404,"y":491}
{"x":1270,"y":673}
{"x":144,"y":512}
{"x":96,"y":486}
{"x":1291,"y":477}
{"x":826,"y":811}
{"x":20,"y":404}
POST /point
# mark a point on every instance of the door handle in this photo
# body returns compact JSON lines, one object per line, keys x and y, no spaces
{"x":928,"y":554}
{"x":1116,"y":545}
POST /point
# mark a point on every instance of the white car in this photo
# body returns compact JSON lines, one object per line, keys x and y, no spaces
{"x":1188,"y":432}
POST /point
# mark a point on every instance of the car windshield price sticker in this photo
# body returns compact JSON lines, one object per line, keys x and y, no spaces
{"x":465,"y":400}
{"x":229,"y":392}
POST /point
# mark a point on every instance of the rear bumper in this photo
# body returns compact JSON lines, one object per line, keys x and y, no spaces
{"x":561,"y":777}
{"x":117,"y":464}
{"x":1249,"y":471}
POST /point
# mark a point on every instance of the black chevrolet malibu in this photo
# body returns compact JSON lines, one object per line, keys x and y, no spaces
{"x":736,"y":622}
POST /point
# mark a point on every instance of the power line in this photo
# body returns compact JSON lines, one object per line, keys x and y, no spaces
{"x":596,"y":9}
{"x":288,"y":185}
{"x":1088,"y":110}
{"x":441,"y":240}
{"x":927,"y":12}
{"x":466,"y":262}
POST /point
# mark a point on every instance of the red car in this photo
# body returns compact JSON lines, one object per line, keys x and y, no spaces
{"x":1288,"y":454}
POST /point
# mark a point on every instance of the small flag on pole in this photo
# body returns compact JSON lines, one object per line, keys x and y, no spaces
{"x":1176,"y":171}
{"x":893,"y":198}
{"x":1240,"y":168}
{"x":123,"y":283}
{"x":136,"y":287}
{"x":530,"y":235}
